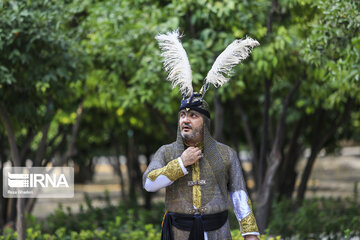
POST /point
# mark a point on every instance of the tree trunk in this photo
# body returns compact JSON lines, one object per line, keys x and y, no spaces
{"x":70,"y":151}
{"x":264,"y":136}
{"x":40,"y":152}
{"x":275,"y":158}
{"x":219,"y":118}
{"x":55,"y":151}
{"x":270,"y":17}
{"x":11,"y":212}
{"x":20,"y":221}
{"x":131,"y":168}
{"x":26,"y":146}
{"x":11,"y":135}
{"x":119,"y":172}
{"x":306,"y":174}
{"x":249,"y":139}
{"x":85,"y":174}
{"x":233,"y":134}
{"x":318,"y":144}
{"x":287,"y":176}
{"x":262,"y":166}
{"x":29,"y":203}
{"x":3,"y":200}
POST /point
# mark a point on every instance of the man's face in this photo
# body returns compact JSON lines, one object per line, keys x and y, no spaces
{"x":191,"y":125}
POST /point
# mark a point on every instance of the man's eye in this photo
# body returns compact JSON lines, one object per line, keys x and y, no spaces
{"x":193,"y":115}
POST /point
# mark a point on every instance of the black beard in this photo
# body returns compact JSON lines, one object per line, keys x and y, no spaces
{"x":188,"y":137}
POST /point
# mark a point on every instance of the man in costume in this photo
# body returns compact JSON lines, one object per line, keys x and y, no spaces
{"x":198,"y":172}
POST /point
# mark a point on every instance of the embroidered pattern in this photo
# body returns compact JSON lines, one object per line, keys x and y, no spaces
{"x":196,"y":188}
{"x":196,"y":177}
{"x":172,"y":170}
{"x":248,"y":223}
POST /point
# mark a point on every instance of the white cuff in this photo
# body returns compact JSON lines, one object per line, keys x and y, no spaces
{"x":250,"y":233}
{"x":160,"y":182}
{"x":239,"y":200}
{"x":183,"y":168}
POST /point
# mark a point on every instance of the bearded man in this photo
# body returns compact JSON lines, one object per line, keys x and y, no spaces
{"x":198,"y":172}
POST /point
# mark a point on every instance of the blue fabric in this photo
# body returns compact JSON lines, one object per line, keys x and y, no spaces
{"x":188,"y":103}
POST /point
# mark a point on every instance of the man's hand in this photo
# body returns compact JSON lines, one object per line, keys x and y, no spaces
{"x":191,"y":155}
{"x":251,"y":237}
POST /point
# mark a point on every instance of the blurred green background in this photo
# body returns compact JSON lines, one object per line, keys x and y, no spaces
{"x":82,"y":85}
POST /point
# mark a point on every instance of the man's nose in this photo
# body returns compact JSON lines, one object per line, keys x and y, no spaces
{"x":186,"y":118}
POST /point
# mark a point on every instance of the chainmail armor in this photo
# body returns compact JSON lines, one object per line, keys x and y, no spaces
{"x":220,"y":168}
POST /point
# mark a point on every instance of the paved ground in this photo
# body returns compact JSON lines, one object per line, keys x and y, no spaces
{"x":335,"y":175}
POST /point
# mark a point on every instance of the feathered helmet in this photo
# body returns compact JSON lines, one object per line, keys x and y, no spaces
{"x":177,"y":64}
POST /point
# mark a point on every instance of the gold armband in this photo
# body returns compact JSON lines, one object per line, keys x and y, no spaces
{"x":248,"y":223}
{"x":172,"y":170}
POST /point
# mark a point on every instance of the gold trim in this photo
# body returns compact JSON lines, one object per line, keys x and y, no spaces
{"x":162,"y":223}
{"x":172,"y":170}
{"x":248,"y":223}
{"x":199,"y":145}
{"x":202,"y":89}
{"x":196,"y":177}
{"x":196,"y":188}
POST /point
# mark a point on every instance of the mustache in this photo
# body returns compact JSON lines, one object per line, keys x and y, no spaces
{"x":186,"y":125}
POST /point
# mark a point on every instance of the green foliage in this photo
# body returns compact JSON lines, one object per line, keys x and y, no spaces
{"x":333,"y":47}
{"x":46,"y":45}
{"x":37,"y":58}
{"x":110,"y":222}
{"x":318,"y":217}
{"x":110,"y":233}
{"x":41,"y":69}
{"x":124,"y":221}
{"x":103,"y":218}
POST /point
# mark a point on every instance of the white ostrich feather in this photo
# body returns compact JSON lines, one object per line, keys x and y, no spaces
{"x":176,"y":62}
{"x":237,"y":51}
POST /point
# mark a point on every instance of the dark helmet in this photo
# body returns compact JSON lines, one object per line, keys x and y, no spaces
{"x":197,"y":103}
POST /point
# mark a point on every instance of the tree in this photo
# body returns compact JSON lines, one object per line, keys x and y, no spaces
{"x":296,"y":91}
{"x":333,"y":50}
{"x":38,"y":69}
{"x":278,"y":76}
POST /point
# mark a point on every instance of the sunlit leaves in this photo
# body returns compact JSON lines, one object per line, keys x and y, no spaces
{"x":333,"y":47}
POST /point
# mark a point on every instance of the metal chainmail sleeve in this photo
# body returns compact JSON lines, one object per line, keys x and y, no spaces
{"x":239,"y":197}
{"x":160,"y":166}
